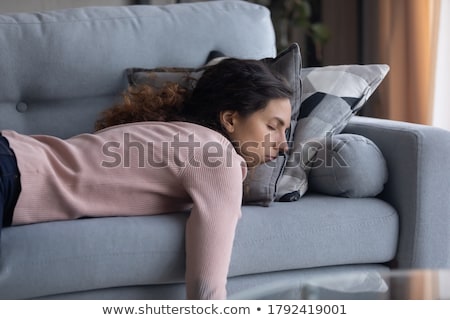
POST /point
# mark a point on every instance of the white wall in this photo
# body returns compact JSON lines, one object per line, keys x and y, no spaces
{"x":444,"y":288}
{"x":441,"y":114}
{"x":7,"y":6}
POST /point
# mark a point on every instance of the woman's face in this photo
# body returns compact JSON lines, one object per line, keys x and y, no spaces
{"x":261,"y":136}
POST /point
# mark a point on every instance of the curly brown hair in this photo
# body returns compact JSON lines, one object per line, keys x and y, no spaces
{"x":245,"y":86}
{"x":146,"y":103}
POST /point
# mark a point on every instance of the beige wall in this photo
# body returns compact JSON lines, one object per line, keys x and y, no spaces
{"x":41,"y":5}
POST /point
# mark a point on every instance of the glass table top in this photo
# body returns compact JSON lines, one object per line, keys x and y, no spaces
{"x":370,"y":285}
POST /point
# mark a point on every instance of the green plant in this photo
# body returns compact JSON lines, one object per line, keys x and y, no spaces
{"x":291,"y":17}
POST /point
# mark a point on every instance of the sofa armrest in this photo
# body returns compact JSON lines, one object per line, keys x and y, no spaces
{"x":418,"y":187}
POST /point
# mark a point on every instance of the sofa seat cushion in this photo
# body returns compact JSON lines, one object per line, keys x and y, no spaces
{"x":89,"y":254}
{"x":69,"y":256}
{"x":316,"y":231}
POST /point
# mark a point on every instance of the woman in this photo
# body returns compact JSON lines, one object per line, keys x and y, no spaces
{"x":195,"y":158}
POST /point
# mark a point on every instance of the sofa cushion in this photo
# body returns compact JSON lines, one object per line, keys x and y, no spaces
{"x":261,"y":181}
{"x":317,"y":231}
{"x":331,"y":96}
{"x":287,"y":285}
{"x":347,"y":165}
{"x":69,"y":63}
{"x":352,"y":83}
{"x":111,"y":252}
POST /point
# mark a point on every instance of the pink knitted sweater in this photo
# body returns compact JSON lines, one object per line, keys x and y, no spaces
{"x":142,"y":168}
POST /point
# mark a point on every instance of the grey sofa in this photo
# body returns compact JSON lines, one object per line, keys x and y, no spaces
{"x":58,"y":70}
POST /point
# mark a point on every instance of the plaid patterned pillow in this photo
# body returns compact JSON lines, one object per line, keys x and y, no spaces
{"x":331,"y":96}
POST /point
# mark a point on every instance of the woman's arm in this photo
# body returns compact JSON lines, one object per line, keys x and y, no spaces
{"x":216,"y":192}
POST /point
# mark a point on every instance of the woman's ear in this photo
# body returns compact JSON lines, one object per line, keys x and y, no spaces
{"x":228,"y":120}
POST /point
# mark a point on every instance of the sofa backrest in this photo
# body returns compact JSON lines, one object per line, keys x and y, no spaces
{"x":59,"y":69}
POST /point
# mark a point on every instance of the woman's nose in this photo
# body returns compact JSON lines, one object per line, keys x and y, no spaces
{"x":283,"y":147}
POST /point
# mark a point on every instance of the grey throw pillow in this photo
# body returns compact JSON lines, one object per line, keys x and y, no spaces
{"x":331,"y":96}
{"x":261,"y":183}
{"x":347,"y":165}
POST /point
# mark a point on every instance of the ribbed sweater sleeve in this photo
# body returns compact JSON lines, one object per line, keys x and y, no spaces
{"x":216,"y":190}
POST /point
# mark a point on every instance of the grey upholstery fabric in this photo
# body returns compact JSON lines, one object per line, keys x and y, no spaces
{"x":241,"y":287}
{"x":71,"y":63}
{"x":58,"y":70}
{"x":331,"y":96}
{"x":131,"y":251}
{"x":418,"y":187}
{"x":347,"y":165}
